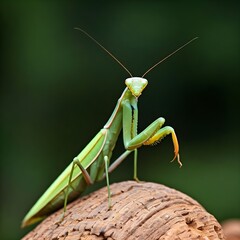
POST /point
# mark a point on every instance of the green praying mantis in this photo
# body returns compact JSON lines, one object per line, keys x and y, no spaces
{"x":93,"y":162}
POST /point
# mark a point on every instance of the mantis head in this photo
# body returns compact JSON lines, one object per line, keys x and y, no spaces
{"x":136,"y":85}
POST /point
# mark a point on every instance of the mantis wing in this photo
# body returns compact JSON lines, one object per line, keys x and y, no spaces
{"x":53,"y":198}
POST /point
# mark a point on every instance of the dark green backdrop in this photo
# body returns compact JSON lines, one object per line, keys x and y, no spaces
{"x":58,"y":89}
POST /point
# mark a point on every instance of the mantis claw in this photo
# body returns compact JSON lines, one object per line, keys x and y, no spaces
{"x":137,"y":179}
{"x":59,"y":221}
{"x":178,"y":159}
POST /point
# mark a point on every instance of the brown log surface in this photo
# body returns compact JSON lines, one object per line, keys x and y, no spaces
{"x":139,"y":211}
{"x":231,"y":229}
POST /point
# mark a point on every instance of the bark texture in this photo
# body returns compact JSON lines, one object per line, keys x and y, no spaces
{"x":139,"y":211}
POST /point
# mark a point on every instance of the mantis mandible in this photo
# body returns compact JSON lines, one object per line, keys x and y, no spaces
{"x":92,"y":163}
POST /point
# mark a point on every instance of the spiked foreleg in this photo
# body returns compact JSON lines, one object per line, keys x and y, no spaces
{"x":160,"y":134}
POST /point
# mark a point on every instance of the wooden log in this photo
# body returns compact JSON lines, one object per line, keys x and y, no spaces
{"x":231,"y":229}
{"x":141,"y":210}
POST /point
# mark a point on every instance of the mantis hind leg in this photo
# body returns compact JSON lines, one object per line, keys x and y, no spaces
{"x":88,"y":180}
{"x":85,"y":175}
{"x":106,"y":161}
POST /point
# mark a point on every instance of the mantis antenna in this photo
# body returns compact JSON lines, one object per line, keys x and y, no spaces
{"x":168,"y":56}
{"x":150,"y":69}
{"x":100,"y":45}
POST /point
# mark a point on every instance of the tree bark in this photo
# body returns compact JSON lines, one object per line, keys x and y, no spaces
{"x":139,"y":211}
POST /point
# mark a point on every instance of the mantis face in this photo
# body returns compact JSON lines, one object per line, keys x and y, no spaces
{"x":136,"y":85}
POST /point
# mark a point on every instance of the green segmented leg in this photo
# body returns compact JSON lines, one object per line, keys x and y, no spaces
{"x":135,"y":166}
{"x":107,"y":180}
{"x":160,"y":134}
{"x":87,"y":178}
{"x":85,"y":174}
{"x":149,"y":138}
{"x":150,"y":135}
{"x":153,"y":133}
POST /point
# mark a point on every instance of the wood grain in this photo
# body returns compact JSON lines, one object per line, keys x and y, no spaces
{"x":139,"y":211}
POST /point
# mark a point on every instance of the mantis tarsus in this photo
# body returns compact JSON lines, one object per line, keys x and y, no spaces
{"x":92,"y":164}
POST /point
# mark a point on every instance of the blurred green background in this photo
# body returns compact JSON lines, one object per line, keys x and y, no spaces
{"x":58,"y":89}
